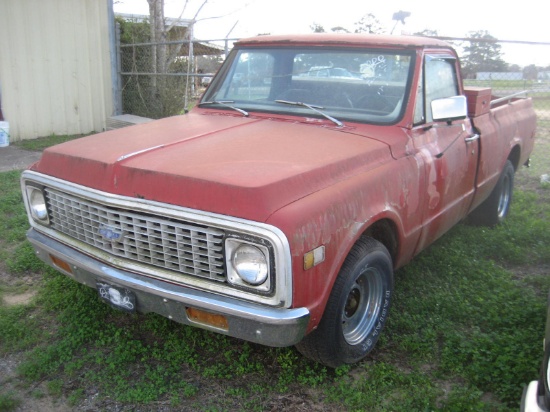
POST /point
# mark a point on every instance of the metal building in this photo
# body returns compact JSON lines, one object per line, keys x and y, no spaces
{"x":56,"y":70}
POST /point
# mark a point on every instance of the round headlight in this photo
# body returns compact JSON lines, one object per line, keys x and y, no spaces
{"x":250,"y":264}
{"x":37,"y":204}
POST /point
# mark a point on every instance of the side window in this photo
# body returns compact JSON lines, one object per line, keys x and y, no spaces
{"x":440,"y":81}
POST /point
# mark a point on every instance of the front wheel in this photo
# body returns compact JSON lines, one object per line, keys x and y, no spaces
{"x":496,"y":207}
{"x":357,"y":308}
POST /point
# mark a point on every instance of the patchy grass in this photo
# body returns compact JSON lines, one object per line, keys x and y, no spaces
{"x":44,"y":142}
{"x":9,"y":402}
{"x":464,"y":333}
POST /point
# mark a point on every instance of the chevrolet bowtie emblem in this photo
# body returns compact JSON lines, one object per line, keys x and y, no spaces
{"x":110,"y":233}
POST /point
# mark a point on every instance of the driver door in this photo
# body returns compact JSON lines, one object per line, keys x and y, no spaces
{"x":447,"y":150}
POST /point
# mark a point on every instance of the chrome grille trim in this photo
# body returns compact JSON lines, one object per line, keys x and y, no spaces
{"x":281,"y":297}
{"x":178,"y":246}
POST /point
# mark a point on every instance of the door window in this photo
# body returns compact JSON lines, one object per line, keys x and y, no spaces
{"x":439,"y":81}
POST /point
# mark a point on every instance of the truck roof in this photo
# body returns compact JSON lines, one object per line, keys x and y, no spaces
{"x":343,"y":39}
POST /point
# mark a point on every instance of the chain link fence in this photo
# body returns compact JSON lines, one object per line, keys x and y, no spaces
{"x":506,"y":84}
{"x":165,"y":79}
{"x":528,"y":76}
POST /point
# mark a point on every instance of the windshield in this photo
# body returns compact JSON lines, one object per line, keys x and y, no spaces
{"x":365,"y":86}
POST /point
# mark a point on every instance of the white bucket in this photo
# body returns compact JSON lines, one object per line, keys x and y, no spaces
{"x":4,"y":134}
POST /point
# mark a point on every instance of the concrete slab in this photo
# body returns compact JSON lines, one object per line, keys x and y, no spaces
{"x":14,"y":158}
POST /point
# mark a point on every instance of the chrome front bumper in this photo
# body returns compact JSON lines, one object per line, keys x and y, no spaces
{"x":269,"y":326}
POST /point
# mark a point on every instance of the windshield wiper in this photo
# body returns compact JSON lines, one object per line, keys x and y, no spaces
{"x":315,"y":109}
{"x":226,"y":104}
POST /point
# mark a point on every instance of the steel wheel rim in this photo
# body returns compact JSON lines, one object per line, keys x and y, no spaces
{"x":504,"y":199}
{"x":362,"y":306}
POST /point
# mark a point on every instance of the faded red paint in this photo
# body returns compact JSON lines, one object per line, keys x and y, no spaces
{"x":319,"y":184}
{"x":244,"y":167}
{"x":344,"y":40}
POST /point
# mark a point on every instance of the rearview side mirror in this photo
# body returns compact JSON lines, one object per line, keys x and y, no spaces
{"x":449,"y":108}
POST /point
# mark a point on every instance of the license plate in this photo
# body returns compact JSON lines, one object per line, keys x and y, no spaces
{"x":117,"y":297}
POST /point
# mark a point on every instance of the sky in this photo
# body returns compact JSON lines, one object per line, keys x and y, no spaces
{"x":521,"y":21}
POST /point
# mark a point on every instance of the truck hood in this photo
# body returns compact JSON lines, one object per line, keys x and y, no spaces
{"x":232,"y":165}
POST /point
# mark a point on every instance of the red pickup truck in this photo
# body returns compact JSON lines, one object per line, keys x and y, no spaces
{"x":277,"y":210}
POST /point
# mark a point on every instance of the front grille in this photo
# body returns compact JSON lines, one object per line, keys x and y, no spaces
{"x":178,"y":246}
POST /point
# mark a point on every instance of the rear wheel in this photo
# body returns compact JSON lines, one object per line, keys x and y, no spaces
{"x":357,"y":308}
{"x":496,"y":207}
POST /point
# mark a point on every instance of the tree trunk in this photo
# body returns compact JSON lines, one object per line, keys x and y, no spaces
{"x":158,"y":51}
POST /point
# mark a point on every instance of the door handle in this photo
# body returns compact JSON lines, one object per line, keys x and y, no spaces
{"x":471,"y":138}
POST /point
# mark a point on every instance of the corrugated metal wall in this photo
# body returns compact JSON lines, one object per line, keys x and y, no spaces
{"x":55,"y":66}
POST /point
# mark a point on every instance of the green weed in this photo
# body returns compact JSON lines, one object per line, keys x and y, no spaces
{"x":55,"y":387}
{"x":382,"y":386}
{"x":75,"y":397}
{"x":20,"y":328}
{"x":45,"y":142}
{"x":9,"y":402}
{"x":457,"y":308}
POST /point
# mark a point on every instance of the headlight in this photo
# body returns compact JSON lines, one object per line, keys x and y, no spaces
{"x":248,"y":265}
{"x":37,"y":205}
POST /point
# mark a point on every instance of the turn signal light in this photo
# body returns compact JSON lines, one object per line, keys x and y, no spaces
{"x":61,"y":264}
{"x":314,"y":257}
{"x":207,"y":318}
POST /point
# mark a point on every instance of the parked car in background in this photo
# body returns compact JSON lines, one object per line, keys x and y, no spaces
{"x":536,"y":396}
{"x":205,"y":80}
{"x":334,"y":72}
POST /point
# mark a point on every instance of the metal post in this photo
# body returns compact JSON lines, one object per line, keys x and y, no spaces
{"x":189,"y":67}
{"x":114,"y":51}
{"x":118,"y":101}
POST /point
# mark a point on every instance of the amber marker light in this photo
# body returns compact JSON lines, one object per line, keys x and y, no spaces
{"x":61,"y":264}
{"x":314,"y":257}
{"x":207,"y":318}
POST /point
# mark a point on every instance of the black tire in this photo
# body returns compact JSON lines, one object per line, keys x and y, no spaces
{"x":495,"y":208}
{"x":356,"y":310}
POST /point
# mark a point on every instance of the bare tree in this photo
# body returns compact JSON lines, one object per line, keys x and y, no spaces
{"x":163,"y":54}
{"x":158,"y":35}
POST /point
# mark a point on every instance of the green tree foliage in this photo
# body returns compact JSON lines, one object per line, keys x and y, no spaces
{"x":339,"y":29}
{"x":427,"y":33}
{"x":530,"y":72}
{"x":482,"y":54}
{"x":369,"y":24}
{"x":317,"y":28}
{"x":133,"y":32}
{"x":153,"y":96}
